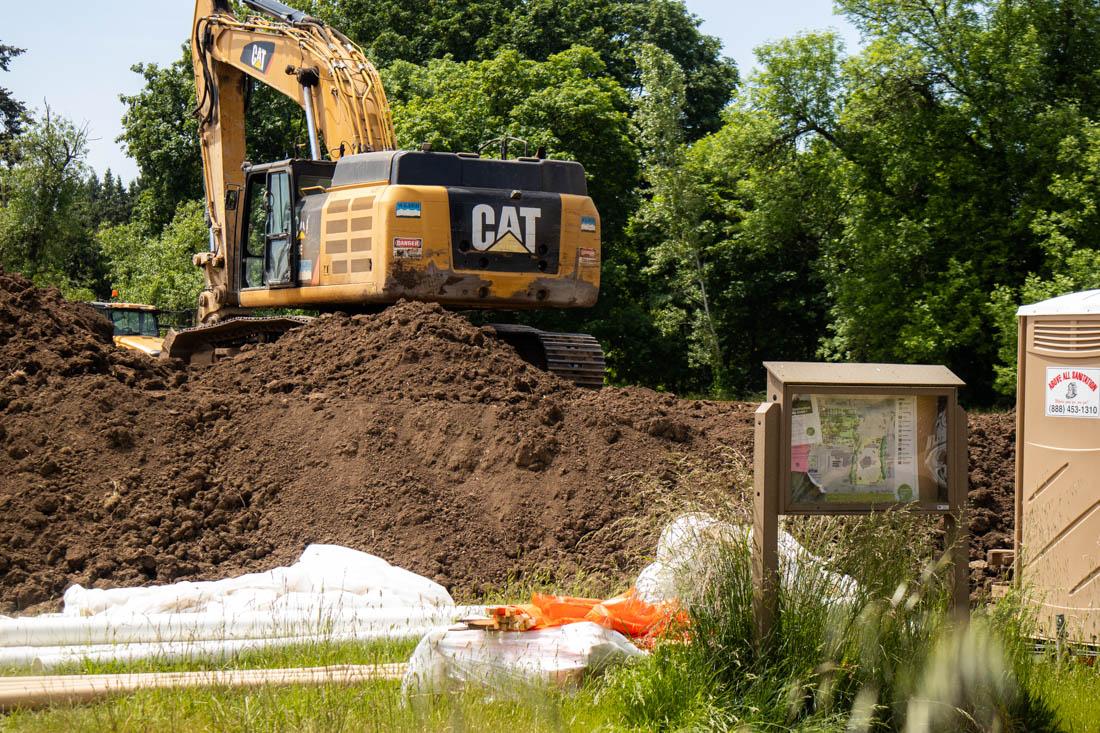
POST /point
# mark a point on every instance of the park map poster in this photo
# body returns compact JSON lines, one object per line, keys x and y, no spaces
{"x":854,"y":449}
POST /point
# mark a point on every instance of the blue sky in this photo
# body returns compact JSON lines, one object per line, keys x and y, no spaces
{"x":79,"y":53}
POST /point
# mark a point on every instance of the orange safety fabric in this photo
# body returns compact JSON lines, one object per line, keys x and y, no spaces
{"x":626,"y":613}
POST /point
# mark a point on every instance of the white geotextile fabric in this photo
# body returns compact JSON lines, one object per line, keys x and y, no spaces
{"x":338,"y":594}
{"x":326,"y":578}
{"x":685,"y":553}
{"x":507,"y":660}
{"x":331,"y":594}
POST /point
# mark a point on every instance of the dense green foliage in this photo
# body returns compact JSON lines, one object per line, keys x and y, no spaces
{"x":391,"y":31}
{"x":12,"y":111}
{"x":896,"y":203}
{"x":157,"y":269}
{"x":900,"y":202}
{"x":51,"y":204}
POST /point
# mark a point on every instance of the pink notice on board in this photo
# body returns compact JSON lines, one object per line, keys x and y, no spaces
{"x":800,"y":458}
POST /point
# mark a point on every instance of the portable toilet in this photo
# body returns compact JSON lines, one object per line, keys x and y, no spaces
{"x":1057,"y":555}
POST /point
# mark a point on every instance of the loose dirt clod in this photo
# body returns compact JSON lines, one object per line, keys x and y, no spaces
{"x":410,"y":434}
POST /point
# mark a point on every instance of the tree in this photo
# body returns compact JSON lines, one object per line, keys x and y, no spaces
{"x":732,"y":228}
{"x":1069,"y":234}
{"x":674,"y":212}
{"x":107,"y":201}
{"x":945,"y":139}
{"x":12,"y":112}
{"x":393,"y":31}
{"x":157,"y":269}
{"x":41,"y":195}
{"x":161,"y":133}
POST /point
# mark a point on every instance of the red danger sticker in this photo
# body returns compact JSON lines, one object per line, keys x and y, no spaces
{"x":408,"y":247}
{"x":589,"y":256}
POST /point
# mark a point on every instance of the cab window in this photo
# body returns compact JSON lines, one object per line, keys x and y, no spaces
{"x":253,"y":269}
{"x":134,"y":323}
{"x":277,"y":269}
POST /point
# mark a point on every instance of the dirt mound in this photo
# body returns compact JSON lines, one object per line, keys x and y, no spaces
{"x":410,"y":434}
{"x":992,"y":491}
{"x":416,"y":436}
{"x":43,"y":336}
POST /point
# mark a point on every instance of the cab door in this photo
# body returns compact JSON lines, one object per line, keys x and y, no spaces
{"x":268,"y":252}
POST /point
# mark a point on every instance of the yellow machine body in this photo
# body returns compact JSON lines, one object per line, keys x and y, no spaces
{"x":359,"y":224}
{"x":367,"y":224}
{"x":136,"y":326}
{"x":376,"y":243}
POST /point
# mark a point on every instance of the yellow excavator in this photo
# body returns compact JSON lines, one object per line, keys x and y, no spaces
{"x":359,"y":224}
{"x":136,"y":325}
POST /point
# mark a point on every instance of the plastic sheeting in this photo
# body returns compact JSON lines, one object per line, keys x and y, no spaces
{"x":506,"y":660}
{"x":331,"y":594}
{"x":335,"y":594}
{"x":686,"y":553}
{"x":325,"y":578}
{"x":687,"y":550}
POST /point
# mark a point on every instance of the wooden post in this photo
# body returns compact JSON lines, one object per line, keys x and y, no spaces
{"x":767,"y":470}
{"x":37,"y":692}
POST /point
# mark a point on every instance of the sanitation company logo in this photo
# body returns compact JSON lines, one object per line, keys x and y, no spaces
{"x":1072,"y":392}
{"x":258,"y":55}
{"x":505,"y":228}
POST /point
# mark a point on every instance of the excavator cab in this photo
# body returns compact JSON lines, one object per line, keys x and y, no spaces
{"x":275,"y":194}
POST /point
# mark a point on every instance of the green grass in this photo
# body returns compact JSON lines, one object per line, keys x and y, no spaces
{"x":311,"y":655}
{"x":1072,"y":688}
{"x":888,"y":661}
{"x":373,"y":706}
{"x":377,"y":706}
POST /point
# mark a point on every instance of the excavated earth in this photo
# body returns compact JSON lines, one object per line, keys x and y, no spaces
{"x":411,"y":434}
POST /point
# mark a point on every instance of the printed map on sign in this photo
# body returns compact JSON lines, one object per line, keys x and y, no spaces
{"x":854,"y":449}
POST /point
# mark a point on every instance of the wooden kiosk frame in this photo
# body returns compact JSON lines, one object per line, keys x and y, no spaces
{"x":933,"y":387}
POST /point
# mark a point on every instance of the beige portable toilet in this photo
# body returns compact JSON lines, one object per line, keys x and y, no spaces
{"x":1058,"y":464}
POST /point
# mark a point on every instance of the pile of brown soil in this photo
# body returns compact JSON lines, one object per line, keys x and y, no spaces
{"x":992,"y":492}
{"x":43,"y":337}
{"x":80,"y":422}
{"x":410,"y":434}
{"x":416,"y":436}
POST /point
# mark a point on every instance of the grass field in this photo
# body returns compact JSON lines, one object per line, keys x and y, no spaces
{"x":886,"y":659}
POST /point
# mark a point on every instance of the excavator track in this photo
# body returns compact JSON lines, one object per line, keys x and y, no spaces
{"x":205,"y":344}
{"x":575,"y":357}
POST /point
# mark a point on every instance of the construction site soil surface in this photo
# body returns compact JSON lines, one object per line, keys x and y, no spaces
{"x":411,"y":434}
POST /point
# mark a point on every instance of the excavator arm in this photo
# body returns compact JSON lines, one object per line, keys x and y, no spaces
{"x":318,"y":67}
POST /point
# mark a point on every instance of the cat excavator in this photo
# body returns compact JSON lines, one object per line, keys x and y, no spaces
{"x":359,"y":224}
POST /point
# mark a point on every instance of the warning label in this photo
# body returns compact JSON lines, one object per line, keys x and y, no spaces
{"x":1073,"y":392}
{"x":407,"y":247}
